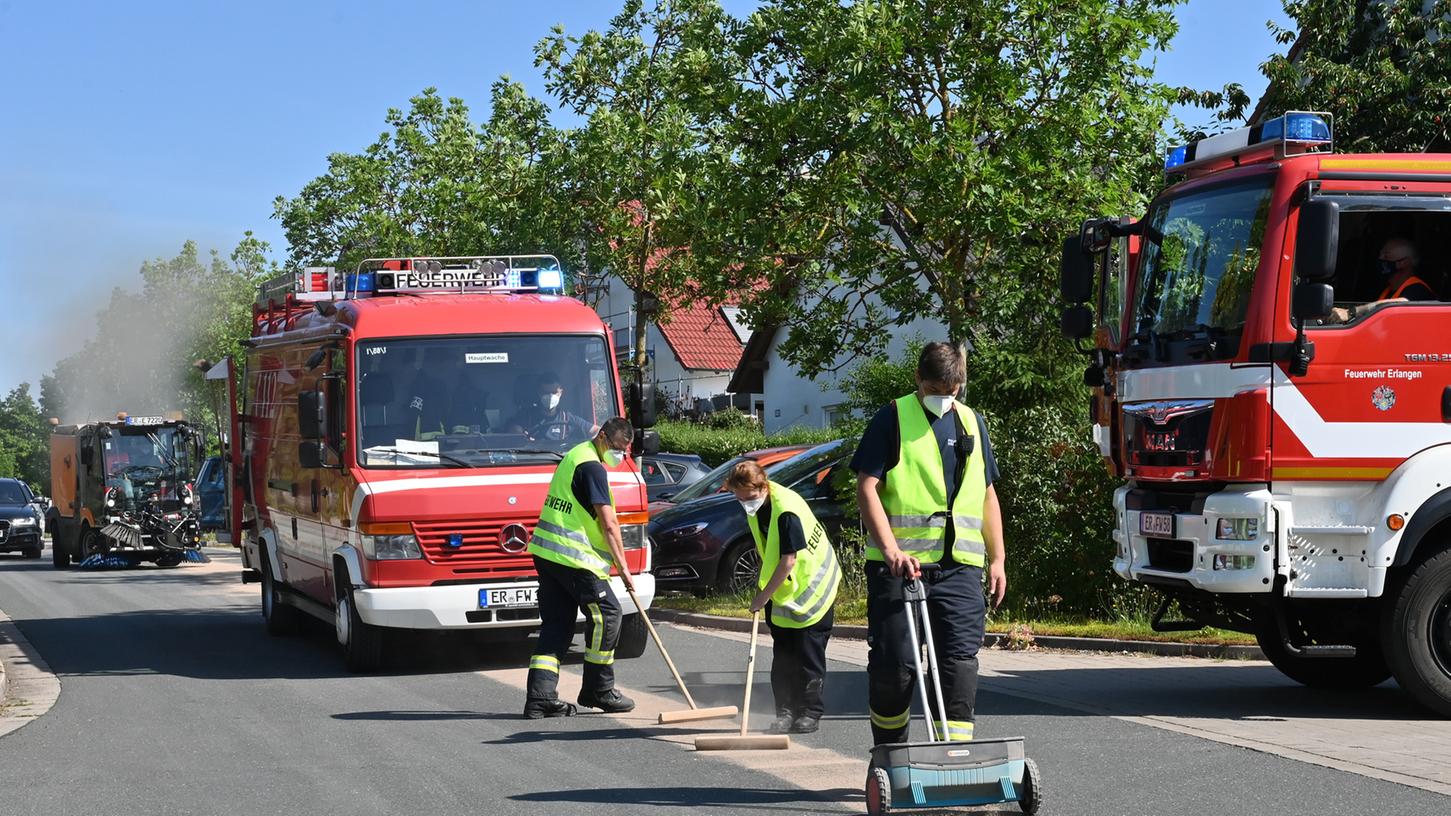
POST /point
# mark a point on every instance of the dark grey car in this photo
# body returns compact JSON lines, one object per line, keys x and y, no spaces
{"x":669,"y":473}
{"x":21,"y":519}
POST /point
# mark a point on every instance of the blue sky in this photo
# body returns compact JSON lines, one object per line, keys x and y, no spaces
{"x":132,"y":127}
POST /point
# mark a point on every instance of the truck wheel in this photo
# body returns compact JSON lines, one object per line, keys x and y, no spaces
{"x":739,"y":568}
{"x":362,"y":642}
{"x":633,"y":637}
{"x":1418,"y":634}
{"x":279,"y":617}
{"x":60,"y":557}
{"x":1366,"y":669}
{"x":33,"y":552}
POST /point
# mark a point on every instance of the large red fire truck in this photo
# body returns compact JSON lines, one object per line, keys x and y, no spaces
{"x":389,"y":452}
{"x":1281,"y":417}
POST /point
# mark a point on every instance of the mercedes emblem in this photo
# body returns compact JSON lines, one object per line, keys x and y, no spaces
{"x":514,"y":538}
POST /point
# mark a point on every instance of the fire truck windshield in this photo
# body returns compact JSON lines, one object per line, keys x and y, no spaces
{"x":1201,"y":251}
{"x":480,"y":401}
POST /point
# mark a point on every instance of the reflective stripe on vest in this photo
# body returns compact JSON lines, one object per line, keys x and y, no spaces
{"x":566,"y":533}
{"x":1386,"y":294}
{"x":914,"y":492}
{"x":809,"y":590}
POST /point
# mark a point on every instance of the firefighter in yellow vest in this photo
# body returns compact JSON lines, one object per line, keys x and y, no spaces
{"x":925,"y":473}
{"x":799,"y":579}
{"x":574,"y":545}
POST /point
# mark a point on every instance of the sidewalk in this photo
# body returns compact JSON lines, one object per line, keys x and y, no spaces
{"x":28,"y":689}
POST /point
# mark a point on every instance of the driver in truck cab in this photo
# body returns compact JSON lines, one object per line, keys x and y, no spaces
{"x":546,"y":418}
{"x":1397,"y":263}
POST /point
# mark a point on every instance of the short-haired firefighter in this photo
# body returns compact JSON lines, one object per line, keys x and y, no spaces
{"x":574,"y":544}
{"x":799,"y":579}
{"x":925,"y":472}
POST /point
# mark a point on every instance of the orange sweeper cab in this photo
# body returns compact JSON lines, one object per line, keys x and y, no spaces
{"x":1272,"y":370}
{"x":394,"y":431}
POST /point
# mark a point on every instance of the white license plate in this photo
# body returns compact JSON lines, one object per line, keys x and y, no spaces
{"x":1158,"y":525}
{"x":507,"y":597}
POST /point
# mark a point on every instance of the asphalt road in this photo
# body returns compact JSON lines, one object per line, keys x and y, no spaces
{"x":175,"y":701}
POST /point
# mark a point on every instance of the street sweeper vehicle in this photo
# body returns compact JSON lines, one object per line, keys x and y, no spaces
{"x":394,"y":432}
{"x":1271,"y":357}
{"x":122,"y":492}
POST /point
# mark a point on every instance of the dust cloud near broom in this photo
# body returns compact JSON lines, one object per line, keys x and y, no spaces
{"x":144,"y":343}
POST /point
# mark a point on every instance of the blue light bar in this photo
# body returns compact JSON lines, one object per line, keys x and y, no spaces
{"x":1176,"y":157}
{"x":1296,"y":127}
{"x":361,"y":282}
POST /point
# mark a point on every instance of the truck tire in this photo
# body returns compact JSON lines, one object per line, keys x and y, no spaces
{"x":362,"y":643}
{"x":280,"y":618}
{"x":1417,"y":632}
{"x":1368,"y":667}
{"x":60,"y":557}
{"x":633,"y":637}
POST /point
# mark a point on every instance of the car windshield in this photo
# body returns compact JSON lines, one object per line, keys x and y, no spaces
{"x":480,"y":401}
{"x":805,"y":463}
{"x":1201,"y":251}
{"x":146,"y":456}
{"x":12,"y":493}
{"x":709,"y":483}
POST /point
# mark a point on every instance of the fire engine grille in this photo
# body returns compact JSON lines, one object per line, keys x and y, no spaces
{"x":481,"y":553}
{"x":1171,"y":556}
{"x":1175,"y":437}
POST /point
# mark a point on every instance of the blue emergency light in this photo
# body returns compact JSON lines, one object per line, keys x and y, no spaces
{"x":1310,"y":132}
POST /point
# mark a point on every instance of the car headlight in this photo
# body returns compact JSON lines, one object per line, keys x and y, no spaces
{"x":391,"y":547}
{"x":1237,"y":529}
{"x":685,"y":530}
{"x":632,"y":536}
{"x":24,"y":521}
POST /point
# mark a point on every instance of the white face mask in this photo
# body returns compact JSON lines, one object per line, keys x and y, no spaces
{"x":549,"y":401}
{"x":938,"y":405}
{"x":615,"y":457}
{"x":752,"y":505}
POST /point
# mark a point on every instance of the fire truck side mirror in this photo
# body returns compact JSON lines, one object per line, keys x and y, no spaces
{"x":309,"y":454}
{"x":640,"y":400}
{"x":1077,"y":322}
{"x":310,"y":414}
{"x":1076,"y":272}
{"x":647,"y":443}
{"x":1318,"y":240}
{"x":1313,"y":301}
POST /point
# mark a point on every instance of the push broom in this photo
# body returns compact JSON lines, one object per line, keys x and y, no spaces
{"x":744,"y":741}
{"x":695,"y":712}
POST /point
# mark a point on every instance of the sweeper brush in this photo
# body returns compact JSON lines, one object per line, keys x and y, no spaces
{"x":695,"y":712}
{"x":745,"y":741}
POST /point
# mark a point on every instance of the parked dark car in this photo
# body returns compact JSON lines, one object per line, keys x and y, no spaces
{"x":21,"y":519}
{"x":714,"y":481}
{"x":668,"y":473}
{"x":704,"y":544}
{"x":211,"y":489}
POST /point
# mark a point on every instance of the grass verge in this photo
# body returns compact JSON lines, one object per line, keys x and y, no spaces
{"x":853,"y":610}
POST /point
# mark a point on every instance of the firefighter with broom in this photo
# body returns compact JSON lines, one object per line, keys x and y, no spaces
{"x":798,"y":582}
{"x":574,"y":543}
{"x":925,"y":473}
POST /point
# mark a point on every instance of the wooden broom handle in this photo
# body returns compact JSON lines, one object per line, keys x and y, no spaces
{"x":658,"y":642}
{"x":750,"y":671}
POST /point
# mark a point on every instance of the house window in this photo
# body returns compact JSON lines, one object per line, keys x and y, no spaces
{"x":835,"y":413}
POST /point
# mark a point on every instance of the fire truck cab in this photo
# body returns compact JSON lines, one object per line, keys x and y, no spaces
{"x":392,"y":445}
{"x":1271,"y":362}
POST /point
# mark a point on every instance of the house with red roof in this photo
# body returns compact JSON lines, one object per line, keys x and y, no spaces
{"x":693,"y":352}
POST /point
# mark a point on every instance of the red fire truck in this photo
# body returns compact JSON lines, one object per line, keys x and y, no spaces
{"x":1271,"y":358}
{"x":392,"y":441}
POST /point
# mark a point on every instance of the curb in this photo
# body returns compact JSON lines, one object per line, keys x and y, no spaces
{"x":996,"y":639}
{"x":28,"y":688}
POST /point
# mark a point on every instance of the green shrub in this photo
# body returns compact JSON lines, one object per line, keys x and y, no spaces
{"x":716,"y":446}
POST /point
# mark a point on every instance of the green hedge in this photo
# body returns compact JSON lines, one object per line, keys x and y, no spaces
{"x":715,"y":445}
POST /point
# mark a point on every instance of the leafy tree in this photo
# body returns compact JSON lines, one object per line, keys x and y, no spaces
{"x":635,"y":166}
{"x":1382,"y":68}
{"x":899,"y":159}
{"x":24,"y":440}
{"x":436,"y":184}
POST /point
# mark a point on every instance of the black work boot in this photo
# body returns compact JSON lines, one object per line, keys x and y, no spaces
{"x":805,"y":725}
{"x":539,"y":709}
{"x":610,"y":701}
{"x":782,"y":723}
